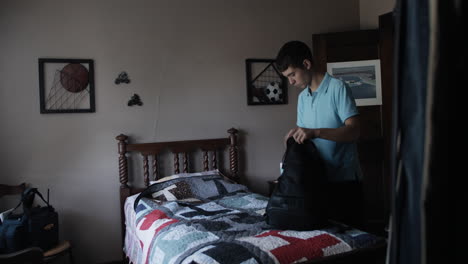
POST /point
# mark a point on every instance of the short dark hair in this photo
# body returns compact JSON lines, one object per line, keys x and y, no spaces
{"x":293,"y":54}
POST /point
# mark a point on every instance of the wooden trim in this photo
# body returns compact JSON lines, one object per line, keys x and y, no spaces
{"x":369,"y":255}
{"x":205,"y":161}
{"x":155,"y":168}
{"x":123,"y":177}
{"x":27,"y":255}
{"x":344,"y":46}
{"x":145,"y":170}
{"x":11,"y":190}
{"x":386,"y":54}
{"x":178,"y":146}
{"x":176,"y":163}
{"x":60,"y":248}
{"x":185,"y":162}
{"x":214,"y":162}
{"x":123,"y":168}
{"x":233,"y":154}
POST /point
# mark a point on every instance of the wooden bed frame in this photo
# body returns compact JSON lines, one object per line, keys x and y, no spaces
{"x":176,"y":148}
{"x":375,"y":254}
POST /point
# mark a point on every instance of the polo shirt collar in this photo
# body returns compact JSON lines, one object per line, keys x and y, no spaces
{"x":323,"y":87}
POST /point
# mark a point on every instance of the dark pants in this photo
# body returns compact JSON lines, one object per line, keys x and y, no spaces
{"x":345,"y":203}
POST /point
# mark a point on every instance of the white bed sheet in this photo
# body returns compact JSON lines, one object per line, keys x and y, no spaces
{"x":132,"y":247}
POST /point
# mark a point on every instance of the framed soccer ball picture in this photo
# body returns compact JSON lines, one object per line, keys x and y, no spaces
{"x":66,"y":86}
{"x":265,"y":84}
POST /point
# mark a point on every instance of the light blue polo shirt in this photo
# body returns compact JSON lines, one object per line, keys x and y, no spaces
{"x":328,"y":107}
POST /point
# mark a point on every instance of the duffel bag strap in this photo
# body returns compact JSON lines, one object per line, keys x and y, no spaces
{"x":20,"y":202}
{"x":11,"y":212}
{"x":28,"y":198}
{"x":42,"y":197}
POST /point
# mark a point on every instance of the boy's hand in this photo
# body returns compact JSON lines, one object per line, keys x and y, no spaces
{"x":290,"y":134}
{"x":302,"y":134}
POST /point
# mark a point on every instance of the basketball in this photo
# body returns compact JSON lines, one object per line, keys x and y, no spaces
{"x":74,"y":77}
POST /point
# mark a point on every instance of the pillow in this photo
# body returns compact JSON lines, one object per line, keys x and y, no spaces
{"x":179,"y":191}
{"x":199,"y":186}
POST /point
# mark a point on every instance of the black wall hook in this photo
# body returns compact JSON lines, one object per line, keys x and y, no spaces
{"x":122,"y":78}
{"x":135,"y":100}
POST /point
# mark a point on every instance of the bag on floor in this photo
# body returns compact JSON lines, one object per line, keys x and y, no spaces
{"x":35,"y":227}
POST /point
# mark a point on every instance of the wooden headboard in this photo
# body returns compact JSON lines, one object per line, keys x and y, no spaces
{"x":177,"y":148}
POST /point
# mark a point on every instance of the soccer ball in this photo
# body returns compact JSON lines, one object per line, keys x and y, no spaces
{"x":274,"y":92}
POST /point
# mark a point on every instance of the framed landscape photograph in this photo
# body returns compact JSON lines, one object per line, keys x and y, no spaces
{"x":363,"y":77}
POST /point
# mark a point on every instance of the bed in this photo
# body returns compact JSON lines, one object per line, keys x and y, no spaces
{"x":209,"y":217}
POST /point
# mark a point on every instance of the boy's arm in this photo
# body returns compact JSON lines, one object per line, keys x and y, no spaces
{"x":347,"y":133}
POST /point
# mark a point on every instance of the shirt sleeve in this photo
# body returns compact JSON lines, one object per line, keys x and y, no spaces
{"x":345,"y":102}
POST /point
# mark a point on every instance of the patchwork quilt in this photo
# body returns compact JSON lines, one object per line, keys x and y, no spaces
{"x":208,"y":219}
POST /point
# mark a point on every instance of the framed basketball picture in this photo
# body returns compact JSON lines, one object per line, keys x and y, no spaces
{"x":265,"y":84}
{"x":66,"y":86}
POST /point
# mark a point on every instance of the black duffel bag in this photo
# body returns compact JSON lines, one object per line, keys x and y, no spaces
{"x":35,"y":227}
{"x":298,"y":201}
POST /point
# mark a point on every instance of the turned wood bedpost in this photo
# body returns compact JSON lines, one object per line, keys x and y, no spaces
{"x":155,"y":168}
{"x":123,"y":168}
{"x":214,"y":163}
{"x":233,"y":154}
{"x":123,"y":174}
{"x":205,"y":160}
{"x":145,"y":170}
{"x":185,"y":162}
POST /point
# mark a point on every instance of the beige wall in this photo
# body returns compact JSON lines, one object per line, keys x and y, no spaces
{"x":370,"y":10}
{"x":186,"y":59}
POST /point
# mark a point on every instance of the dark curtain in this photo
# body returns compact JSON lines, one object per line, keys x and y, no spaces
{"x":430,"y":59}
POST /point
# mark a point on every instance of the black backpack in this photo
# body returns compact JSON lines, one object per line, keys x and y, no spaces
{"x":35,"y":227}
{"x":298,"y":201}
